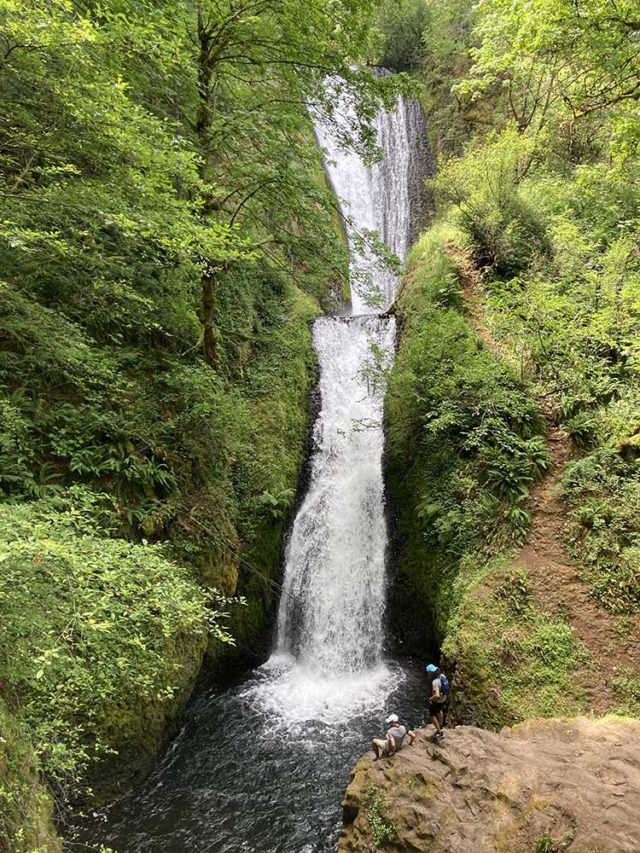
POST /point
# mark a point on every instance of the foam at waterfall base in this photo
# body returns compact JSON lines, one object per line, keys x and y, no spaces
{"x":292,"y":693}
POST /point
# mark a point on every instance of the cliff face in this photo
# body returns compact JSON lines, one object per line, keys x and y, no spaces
{"x":542,"y":786}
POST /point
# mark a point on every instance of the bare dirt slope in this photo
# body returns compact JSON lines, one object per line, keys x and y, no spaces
{"x":545,"y":786}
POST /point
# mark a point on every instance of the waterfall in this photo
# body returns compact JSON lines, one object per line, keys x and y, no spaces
{"x":330,"y":621}
{"x":261,"y":765}
{"x":333,"y":597}
{"x":389,"y":197}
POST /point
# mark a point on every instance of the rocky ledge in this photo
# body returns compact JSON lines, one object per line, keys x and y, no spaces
{"x":542,"y":786}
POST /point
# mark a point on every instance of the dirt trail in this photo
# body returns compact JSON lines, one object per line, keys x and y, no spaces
{"x":612,"y":641}
{"x":559,"y":588}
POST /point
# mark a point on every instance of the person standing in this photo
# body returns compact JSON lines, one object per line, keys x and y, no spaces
{"x":438,"y":698}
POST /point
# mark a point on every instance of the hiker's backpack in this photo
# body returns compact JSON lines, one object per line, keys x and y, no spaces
{"x":444,"y":684}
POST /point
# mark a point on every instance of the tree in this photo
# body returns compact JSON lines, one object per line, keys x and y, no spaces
{"x":579,"y":57}
{"x":175,"y":132}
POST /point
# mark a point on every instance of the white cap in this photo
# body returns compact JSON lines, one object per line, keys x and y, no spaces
{"x":392,"y":718}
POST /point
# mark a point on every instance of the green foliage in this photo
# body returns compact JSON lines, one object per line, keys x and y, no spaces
{"x":544,"y":844}
{"x":514,"y":661}
{"x":514,"y":590}
{"x":505,"y":230}
{"x":603,"y":491}
{"x":464,"y":443}
{"x":533,"y":108}
{"x":547,"y":844}
{"x":132,"y":175}
{"x":26,"y":823}
{"x":402,"y":25}
{"x":89,"y":624}
{"x":382,"y":830}
{"x":132,"y":187}
{"x":575,"y":317}
{"x":183,"y":455}
{"x":167,"y":236}
{"x":453,"y":400}
{"x":555,"y":58}
{"x":464,"y":448}
{"x":540,"y":171}
{"x":435,"y":55}
{"x":626,"y":689}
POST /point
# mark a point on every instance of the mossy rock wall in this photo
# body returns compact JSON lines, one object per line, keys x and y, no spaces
{"x":137,"y":728}
{"x":26,"y":806}
{"x":267,"y":474}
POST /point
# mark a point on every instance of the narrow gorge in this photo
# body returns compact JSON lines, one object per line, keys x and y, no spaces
{"x":319,"y":360}
{"x":247,"y":753}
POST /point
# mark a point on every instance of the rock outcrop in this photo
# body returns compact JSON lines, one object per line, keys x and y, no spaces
{"x":540,"y":787}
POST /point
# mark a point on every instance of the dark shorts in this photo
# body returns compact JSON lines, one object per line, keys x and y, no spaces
{"x":436,"y":707}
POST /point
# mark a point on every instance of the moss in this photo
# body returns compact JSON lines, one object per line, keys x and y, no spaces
{"x":417,"y":786}
{"x":267,"y":471}
{"x":626,"y":689}
{"x":135,"y":730}
{"x":511,"y":660}
{"x":26,"y":807}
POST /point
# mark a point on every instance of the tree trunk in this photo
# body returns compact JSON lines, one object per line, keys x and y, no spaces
{"x":203,"y":128}
{"x":209,"y":334}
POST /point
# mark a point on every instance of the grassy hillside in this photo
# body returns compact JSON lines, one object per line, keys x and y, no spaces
{"x":465,"y":445}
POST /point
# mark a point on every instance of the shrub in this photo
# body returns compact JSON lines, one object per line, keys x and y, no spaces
{"x":603,"y":491}
{"x":382,"y":829}
{"x":505,"y":227}
{"x":89,"y":624}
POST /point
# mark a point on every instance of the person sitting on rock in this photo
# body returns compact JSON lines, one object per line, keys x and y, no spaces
{"x":438,"y":698}
{"x":394,"y":740}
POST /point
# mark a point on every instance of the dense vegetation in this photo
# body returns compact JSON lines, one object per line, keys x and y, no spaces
{"x":477,"y":430}
{"x":167,"y":236}
{"x":534,"y":112}
{"x":465,"y":444}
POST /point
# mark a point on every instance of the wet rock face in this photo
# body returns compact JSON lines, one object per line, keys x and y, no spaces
{"x":543,"y":786}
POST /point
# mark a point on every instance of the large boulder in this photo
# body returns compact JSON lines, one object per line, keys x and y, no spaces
{"x":539,"y":787}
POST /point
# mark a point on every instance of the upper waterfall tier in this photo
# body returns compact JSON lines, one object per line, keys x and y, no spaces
{"x":389,"y":197}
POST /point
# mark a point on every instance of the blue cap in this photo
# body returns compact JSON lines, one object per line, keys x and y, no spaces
{"x":431,"y":668}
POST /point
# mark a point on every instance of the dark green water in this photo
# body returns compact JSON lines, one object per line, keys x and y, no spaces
{"x":239,"y":778}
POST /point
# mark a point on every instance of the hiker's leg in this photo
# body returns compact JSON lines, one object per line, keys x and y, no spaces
{"x":440,"y":719}
{"x":434,"y":717}
{"x":378,"y":746}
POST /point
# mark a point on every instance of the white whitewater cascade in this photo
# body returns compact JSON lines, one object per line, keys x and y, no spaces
{"x":377,"y":198}
{"x":330,"y":621}
{"x":330,"y":615}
